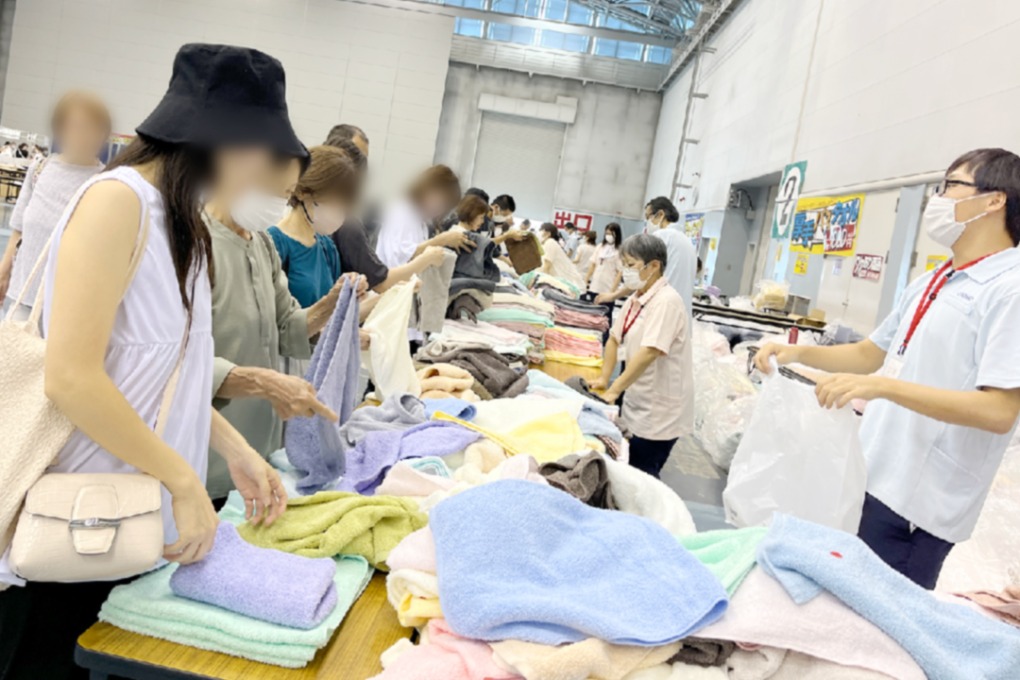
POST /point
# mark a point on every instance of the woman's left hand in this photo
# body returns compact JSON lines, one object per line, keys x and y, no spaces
{"x":259,"y":484}
{"x":359,"y":282}
{"x":839,"y":389}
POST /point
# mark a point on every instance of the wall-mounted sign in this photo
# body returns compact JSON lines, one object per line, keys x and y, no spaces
{"x":868,"y":267}
{"x":827,"y":224}
{"x":800,"y":265}
{"x":583,"y":221}
{"x":786,"y":199}
{"x":934,"y":262}
{"x":693,"y":224}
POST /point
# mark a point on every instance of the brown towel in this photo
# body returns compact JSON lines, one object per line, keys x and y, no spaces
{"x":583,"y":477}
{"x":704,"y":652}
{"x":486,"y":366}
{"x":525,"y":255}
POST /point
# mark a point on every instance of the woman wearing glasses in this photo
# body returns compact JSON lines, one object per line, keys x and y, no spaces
{"x":942,"y":370}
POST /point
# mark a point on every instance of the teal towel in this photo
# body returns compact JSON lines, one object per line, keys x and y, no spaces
{"x":728,"y":553}
{"x":148,"y":606}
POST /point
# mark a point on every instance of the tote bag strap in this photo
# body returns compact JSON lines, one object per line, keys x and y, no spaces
{"x":171,"y":385}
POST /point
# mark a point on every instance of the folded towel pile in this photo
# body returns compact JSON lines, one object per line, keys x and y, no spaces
{"x":485,"y":364}
{"x":337,"y":523}
{"x":574,"y":346}
{"x":517,"y":560}
{"x":268,"y":585}
{"x":374,"y":455}
{"x":499,"y":339}
{"x":540,"y":281}
{"x":522,"y":312}
{"x":148,"y":606}
{"x":446,"y":381}
{"x":577,"y":313}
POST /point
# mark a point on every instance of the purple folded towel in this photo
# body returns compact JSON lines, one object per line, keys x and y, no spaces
{"x":263,"y":584}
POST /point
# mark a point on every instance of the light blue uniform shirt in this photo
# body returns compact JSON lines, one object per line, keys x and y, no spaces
{"x":934,"y":474}
{"x":681,"y":263}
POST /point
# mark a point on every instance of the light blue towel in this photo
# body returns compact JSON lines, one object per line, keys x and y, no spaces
{"x":539,"y":382}
{"x":314,"y":445}
{"x":524,"y":561}
{"x":431,"y":465}
{"x":451,"y":406}
{"x":948,"y":641}
{"x":594,"y":423}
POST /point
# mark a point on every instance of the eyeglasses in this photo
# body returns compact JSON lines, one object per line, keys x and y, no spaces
{"x":946,"y":184}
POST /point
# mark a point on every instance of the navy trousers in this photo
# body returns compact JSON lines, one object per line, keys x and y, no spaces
{"x":912,"y":551}
{"x":650,"y":455}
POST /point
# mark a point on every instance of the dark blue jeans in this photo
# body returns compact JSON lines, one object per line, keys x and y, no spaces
{"x":916,"y":554}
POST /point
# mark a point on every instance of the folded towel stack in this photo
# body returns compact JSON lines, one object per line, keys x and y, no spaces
{"x":521,"y":312}
{"x":446,"y":381}
{"x":574,"y":346}
{"x":577,"y":313}
{"x":268,"y":585}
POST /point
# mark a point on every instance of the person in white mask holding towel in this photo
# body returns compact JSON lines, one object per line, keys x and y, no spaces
{"x":942,"y":373}
{"x":256,"y":319}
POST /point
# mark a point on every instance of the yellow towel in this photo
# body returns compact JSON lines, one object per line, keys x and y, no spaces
{"x":563,"y":358}
{"x":415,"y":612}
{"x":333,"y":523}
{"x":546,"y":439}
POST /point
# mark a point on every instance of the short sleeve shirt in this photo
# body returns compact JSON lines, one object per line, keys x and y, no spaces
{"x":660,"y":403}
{"x":607,"y":268}
{"x":311,"y":270}
{"x":932,"y":473}
{"x":357,"y":255}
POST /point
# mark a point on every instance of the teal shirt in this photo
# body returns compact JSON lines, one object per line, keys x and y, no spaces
{"x":311,"y":270}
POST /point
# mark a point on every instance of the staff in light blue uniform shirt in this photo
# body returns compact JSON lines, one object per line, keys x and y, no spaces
{"x":946,"y":394}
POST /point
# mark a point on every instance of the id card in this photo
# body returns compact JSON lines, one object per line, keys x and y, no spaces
{"x":892,"y":367}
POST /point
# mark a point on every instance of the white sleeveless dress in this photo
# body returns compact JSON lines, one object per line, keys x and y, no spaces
{"x":143,"y":350}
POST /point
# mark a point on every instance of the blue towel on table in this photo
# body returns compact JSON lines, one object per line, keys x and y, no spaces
{"x":948,"y":641}
{"x":451,"y":406}
{"x":594,"y":423}
{"x":314,"y":444}
{"x":264,"y":584}
{"x":519,"y":560}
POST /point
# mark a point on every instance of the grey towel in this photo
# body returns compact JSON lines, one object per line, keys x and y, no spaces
{"x":479,"y":263}
{"x":463,"y":283}
{"x":579,"y":384}
{"x":435,"y":294}
{"x":583,"y":477}
{"x":464,"y":306}
{"x":485,"y":365}
{"x":704,"y":652}
{"x":398,"y":412}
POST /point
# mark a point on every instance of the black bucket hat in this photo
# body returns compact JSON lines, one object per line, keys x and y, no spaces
{"x":221,"y":95}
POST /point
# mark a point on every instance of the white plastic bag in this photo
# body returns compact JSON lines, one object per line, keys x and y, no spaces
{"x":797,"y":458}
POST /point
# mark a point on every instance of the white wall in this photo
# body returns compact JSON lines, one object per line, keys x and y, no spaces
{"x":382,"y":69}
{"x":891,"y":89}
{"x":606,"y":151}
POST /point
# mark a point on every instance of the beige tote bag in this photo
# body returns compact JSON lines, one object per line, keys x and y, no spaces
{"x":32,"y":429}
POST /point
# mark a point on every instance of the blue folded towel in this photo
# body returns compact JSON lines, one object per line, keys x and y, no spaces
{"x":451,"y":406}
{"x":264,"y":584}
{"x":948,"y":641}
{"x":524,"y":561}
{"x":314,"y":445}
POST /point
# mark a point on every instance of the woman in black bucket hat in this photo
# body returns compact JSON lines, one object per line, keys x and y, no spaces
{"x":118,"y":342}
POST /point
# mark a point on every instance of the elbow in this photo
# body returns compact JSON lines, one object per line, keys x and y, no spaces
{"x":64,"y":385}
{"x":1002,"y":425}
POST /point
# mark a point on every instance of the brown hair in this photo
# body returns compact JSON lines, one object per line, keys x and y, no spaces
{"x":329,"y":174}
{"x":590,"y":237}
{"x":470,"y":207}
{"x":90,"y":103}
{"x":437,"y":178}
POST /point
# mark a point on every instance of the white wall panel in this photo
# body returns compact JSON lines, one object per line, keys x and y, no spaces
{"x":382,"y":69}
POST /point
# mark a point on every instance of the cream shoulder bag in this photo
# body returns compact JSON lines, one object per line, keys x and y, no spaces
{"x":73,"y":527}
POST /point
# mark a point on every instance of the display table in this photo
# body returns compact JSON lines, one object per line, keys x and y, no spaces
{"x":368,"y":630}
{"x":702,"y":310}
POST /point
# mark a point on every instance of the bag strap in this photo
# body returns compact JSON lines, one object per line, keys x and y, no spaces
{"x":171,"y":384}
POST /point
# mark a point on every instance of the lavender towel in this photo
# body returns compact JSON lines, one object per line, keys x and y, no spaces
{"x":399,"y":412}
{"x":314,"y":445}
{"x":260,"y":583}
{"x":374,"y":455}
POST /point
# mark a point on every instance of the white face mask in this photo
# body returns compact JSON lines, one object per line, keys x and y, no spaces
{"x":324,"y":218}
{"x":500,"y":219}
{"x":650,"y":225}
{"x":257,"y":210}
{"x":610,"y":239}
{"x":940,"y":222}
{"x":632,"y":279}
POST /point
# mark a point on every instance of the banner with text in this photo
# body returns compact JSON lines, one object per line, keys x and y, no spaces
{"x":827,"y":225}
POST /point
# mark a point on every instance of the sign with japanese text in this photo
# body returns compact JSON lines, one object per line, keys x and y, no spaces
{"x":826,"y":224}
{"x":583,"y":221}
{"x":786,"y":200}
{"x":800,"y":265}
{"x":693,"y":224}
{"x":868,"y":267}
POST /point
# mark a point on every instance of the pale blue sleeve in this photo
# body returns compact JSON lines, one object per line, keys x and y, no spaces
{"x":998,"y":358}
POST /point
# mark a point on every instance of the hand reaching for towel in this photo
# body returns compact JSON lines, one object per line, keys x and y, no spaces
{"x":259,"y":484}
{"x":292,"y":397}
{"x":196,"y":522}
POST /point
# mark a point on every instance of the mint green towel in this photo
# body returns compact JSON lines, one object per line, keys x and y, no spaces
{"x":148,"y":606}
{"x":497,"y":314}
{"x":728,"y":553}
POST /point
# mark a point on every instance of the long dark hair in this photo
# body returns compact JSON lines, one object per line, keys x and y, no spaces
{"x":183,"y":171}
{"x":614,"y":229}
{"x":550,"y":228}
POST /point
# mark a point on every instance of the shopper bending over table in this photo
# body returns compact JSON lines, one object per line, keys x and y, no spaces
{"x":651,"y":332}
{"x":113,"y":340}
{"x":946,"y":394}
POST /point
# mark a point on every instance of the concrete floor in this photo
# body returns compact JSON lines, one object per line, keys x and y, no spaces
{"x":695,"y":478}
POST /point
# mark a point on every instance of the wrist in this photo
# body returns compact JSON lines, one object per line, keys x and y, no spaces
{"x":183,"y":481}
{"x":247,"y":381}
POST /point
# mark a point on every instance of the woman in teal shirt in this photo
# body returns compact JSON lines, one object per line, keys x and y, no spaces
{"x":319,"y":206}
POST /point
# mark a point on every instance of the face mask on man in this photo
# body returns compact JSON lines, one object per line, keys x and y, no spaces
{"x":257,"y":210}
{"x":500,"y":219}
{"x":632,"y":278}
{"x":940,"y":221}
{"x":324,"y":218}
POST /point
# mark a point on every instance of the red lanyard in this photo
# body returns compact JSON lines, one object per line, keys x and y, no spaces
{"x":629,"y":322}
{"x":935,"y":286}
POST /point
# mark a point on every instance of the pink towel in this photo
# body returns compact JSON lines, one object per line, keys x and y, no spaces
{"x":761,"y":613}
{"x":445,"y":656}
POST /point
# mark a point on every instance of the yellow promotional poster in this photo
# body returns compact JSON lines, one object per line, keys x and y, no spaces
{"x":934,"y":262}
{"x":827,"y":224}
{"x":693,"y":223}
{"x":800,"y":264}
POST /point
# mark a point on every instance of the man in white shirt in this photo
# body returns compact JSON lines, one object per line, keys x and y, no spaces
{"x":571,"y":240}
{"x":942,"y":373}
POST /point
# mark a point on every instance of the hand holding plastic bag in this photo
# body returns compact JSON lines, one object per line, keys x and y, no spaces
{"x":797,"y":458}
